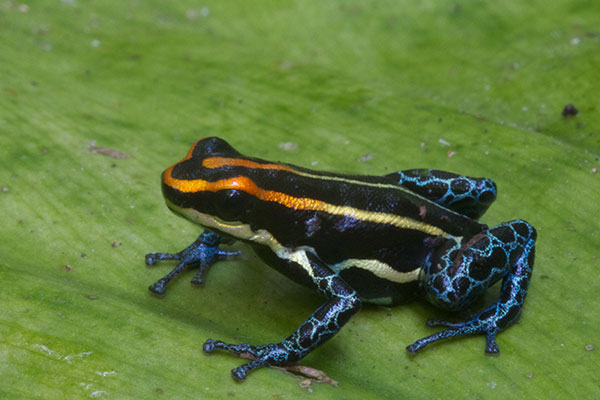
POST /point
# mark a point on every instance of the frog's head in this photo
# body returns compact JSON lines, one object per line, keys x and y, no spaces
{"x":217,"y":187}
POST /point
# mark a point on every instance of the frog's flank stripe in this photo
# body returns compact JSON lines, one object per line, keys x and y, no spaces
{"x":298,"y":203}
{"x":243,"y":231}
{"x":379,"y":269}
{"x":219,"y":162}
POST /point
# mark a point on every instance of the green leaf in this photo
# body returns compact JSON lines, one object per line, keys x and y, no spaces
{"x":364,"y":87}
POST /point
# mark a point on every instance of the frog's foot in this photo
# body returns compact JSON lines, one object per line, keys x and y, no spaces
{"x":266,"y":355}
{"x":489,"y":322}
{"x":202,"y":254}
{"x":463,"y":272}
{"x":342,"y":303}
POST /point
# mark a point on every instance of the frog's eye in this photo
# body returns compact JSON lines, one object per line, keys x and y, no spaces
{"x":231,"y":204}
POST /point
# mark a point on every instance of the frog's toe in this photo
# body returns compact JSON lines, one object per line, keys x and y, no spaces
{"x":153,"y":258}
{"x":160,"y":287}
{"x":491,"y":347}
{"x":240,"y":372}
{"x":440,"y":322}
{"x":212,"y":345}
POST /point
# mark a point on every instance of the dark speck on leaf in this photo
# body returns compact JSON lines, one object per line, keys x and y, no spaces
{"x":569,"y":111}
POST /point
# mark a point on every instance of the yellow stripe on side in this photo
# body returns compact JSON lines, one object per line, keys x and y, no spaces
{"x":243,"y":231}
{"x":379,"y":269}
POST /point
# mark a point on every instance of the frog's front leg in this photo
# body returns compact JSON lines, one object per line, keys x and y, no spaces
{"x":342,"y":303}
{"x":202,"y":254}
{"x":465,"y":271}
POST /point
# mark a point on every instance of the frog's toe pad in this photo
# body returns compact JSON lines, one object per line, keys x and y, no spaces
{"x":491,"y":347}
{"x":240,"y":372}
{"x":150,"y":259}
{"x":158,"y":288}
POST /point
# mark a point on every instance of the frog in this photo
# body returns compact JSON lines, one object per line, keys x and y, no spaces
{"x":355,"y":239}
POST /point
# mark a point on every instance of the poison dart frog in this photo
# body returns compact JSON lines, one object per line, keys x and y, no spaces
{"x":354,"y":238}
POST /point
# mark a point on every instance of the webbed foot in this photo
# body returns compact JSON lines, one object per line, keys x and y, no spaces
{"x":487,"y":322}
{"x":266,"y":355}
{"x":202,"y":254}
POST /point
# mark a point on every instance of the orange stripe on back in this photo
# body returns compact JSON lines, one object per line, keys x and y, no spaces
{"x":297,"y":203}
{"x":218,"y":162}
{"x":245,"y":184}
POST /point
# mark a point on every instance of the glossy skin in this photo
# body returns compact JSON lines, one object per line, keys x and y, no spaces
{"x":355,"y":239}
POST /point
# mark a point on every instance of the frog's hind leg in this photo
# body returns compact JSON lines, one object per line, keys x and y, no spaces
{"x":463,"y":194}
{"x":464,"y":272}
{"x":342,"y":303}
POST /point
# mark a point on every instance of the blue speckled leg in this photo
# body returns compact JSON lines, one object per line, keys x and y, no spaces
{"x":462,"y":273}
{"x":463,"y":194}
{"x":202,"y":254}
{"x":342,"y":303}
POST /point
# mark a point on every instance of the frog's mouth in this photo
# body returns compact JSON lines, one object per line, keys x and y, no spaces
{"x":237,"y":230}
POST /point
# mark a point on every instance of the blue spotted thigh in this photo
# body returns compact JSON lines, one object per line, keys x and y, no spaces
{"x":462,"y":273}
{"x":463,"y":194}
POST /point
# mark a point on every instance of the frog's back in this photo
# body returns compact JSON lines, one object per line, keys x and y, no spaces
{"x":373,"y":232}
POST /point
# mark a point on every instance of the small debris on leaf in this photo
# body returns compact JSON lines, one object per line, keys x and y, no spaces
{"x":5,"y":188}
{"x":288,"y":146}
{"x":68,"y":268}
{"x":451,"y":153}
{"x":569,"y":111}
{"x":112,"y":153}
{"x":366,"y":157}
{"x":590,"y":347}
{"x":307,"y":374}
{"x":115,"y":244}
{"x":93,"y":297}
